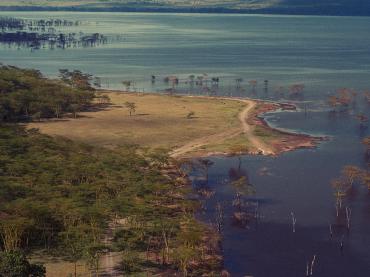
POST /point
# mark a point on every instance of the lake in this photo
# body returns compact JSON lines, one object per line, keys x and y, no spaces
{"x":323,"y":53}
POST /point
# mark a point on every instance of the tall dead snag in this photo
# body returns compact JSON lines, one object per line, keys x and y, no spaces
{"x":348,"y":217}
{"x":310,"y":266}
{"x":294,"y":221}
{"x":340,"y":191}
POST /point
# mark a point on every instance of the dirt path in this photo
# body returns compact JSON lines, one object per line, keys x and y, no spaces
{"x":246,"y":128}
{"x":110,"y":260}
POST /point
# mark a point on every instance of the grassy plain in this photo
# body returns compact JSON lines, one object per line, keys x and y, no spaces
{"x":159,"y":121}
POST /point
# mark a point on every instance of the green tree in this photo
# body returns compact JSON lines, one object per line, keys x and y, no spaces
{"x":75,"y":241}
{"x":76,"y":79}
{"x":131,"y":106}
{"x":15,"y":264}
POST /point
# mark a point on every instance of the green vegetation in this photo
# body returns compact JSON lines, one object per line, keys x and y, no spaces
{"x":14,"y":263}
{"x":79,"y":202}
{"x":265,"y":134}
{"x":231,"y":145}
{"x":26,"y":94}
{"x":61,"y":196}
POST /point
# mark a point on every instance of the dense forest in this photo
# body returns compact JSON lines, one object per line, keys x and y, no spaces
{"x":64,"y":198}
{"x":26,"y":94}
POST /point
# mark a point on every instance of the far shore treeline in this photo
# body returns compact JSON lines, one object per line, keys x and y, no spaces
{"x":67,"y":199}
{"x":289,"y":7}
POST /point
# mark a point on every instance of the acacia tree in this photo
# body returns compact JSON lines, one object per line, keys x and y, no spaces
{"x":93,"y":255}
{"x":75,"y":243}
{"x":76,"y":79}
{"x":190,"y":239}
{"x":131,"y":106}
{"x":183,"y":256}
{"x":75,"y":108}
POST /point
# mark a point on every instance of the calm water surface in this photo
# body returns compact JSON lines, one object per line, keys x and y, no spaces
{"x":324,"y":53}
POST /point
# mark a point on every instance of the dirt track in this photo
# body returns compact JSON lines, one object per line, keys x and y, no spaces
{"x":245,"y":128}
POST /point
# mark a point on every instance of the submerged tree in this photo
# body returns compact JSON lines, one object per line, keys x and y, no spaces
{"x":206,"y":164}
{"x":340,"y":191}
{"x":253,"y":84}
{"x":362,"y":119}
{"x":296,"y":90}
{"x":239,"y":150}
{"x":351,"y":174}
{"x":366,"y":142}
{"x":127,"y":84}
{"x":242,"y":188}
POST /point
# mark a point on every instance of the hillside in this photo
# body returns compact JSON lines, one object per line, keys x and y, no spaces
{"x":325,"y":7}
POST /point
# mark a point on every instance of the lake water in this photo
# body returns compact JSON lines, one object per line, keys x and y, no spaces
{"x":323,"y":53}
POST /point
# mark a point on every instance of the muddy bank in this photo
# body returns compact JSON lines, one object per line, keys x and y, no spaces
{"x":281,"y":141}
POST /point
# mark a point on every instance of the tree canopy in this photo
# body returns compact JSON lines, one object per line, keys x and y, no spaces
{"x":25,"y":94}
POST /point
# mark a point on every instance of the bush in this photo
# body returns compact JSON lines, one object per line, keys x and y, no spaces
{"x":15,"y":264}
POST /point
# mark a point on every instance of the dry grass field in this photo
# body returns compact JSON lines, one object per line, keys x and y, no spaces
{"x":159,"y":121}
{"x":187,"y":126}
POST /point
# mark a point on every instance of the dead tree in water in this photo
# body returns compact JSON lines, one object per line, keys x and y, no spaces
{"x":243,"y":188}
{"x":340,"y":190}
{"x":341,"y":244}
{"x":253,"y":84}
{"x":238,"y":82}
{"x":206,"y":164}
{"x":294,"y":221}
{"x":310,"y":266}
{"x":219,"y":217}
{"x":331,"y":230}
{"x":362,"y":119}
{"x":348,"y":217}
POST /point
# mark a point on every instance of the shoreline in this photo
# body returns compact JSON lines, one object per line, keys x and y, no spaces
{"x":291,"y":141}
{"x":184,"y":10}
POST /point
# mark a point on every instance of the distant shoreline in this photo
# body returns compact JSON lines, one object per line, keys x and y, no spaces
{"x":266,"y":11}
